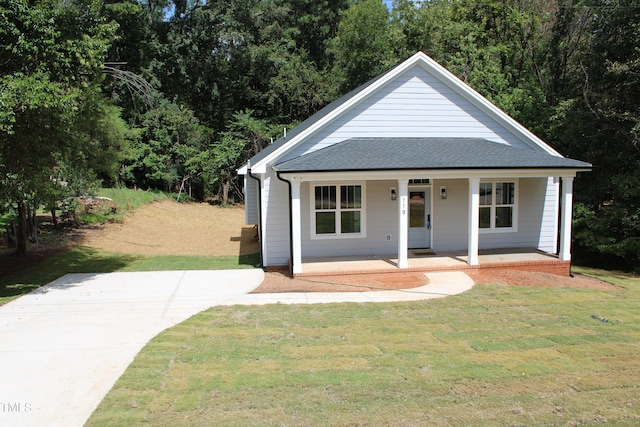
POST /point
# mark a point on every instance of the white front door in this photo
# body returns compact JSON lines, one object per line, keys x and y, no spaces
{"x":419,"y":217}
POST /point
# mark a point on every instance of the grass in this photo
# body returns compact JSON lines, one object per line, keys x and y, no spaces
{"x":89,"y":260}
{"x":128,"y":199}
{"x":125,"y":199}
{"x":495,"y":355}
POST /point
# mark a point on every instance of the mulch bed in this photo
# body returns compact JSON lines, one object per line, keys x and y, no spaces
{"x":275,"y":282}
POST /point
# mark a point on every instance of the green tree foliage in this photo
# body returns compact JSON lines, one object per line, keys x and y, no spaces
{"x":218,"y":58}
{"x":365,"y":44}
{"x":599,"y":121}
{"x":245,"y":137}
{"x":218,"y":76}
{"x":52,"y":56}
{"x":169,"y":137}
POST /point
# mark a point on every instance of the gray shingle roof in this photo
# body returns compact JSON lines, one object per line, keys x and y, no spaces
{"x":378,"y":154}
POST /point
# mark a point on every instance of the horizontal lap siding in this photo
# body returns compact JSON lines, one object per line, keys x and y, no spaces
{"x":536,"y":221}
{"x":536,"y":217}
{"x":381,"y":219}
{"x":532,"y":193}
{"x":451,"y":215}
{"x":549,"y":231}
{"x":414,"y":105}
{"x":251,"y":203}
{"x":275,"y":222}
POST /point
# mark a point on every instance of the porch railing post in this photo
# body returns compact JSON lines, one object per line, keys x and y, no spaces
{"x":474,"y":220}
{"x":403,"y":222}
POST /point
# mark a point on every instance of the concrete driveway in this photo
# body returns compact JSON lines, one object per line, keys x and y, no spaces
{"x":63,"y":346}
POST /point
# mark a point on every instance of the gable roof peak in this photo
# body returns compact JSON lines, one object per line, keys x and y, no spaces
{"x":275,"y":150}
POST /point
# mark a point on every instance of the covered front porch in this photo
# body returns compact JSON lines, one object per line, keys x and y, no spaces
{"x":527,"y":259}
{"x":451,"y":216}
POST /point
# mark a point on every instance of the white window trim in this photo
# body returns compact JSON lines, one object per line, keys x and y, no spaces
{"x":493,"y":229}
{"x":338,"y":234}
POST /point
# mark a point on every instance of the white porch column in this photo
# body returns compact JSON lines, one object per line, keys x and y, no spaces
{"x":565,"y":218}
{"x":474,"y":220}
{"x":403,"y":222}
{"x":296,"y":239}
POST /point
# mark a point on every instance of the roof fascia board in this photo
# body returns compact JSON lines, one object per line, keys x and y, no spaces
{"x":430,"y":174}
{"x":484,"y":104}
{"x":260,"y":167}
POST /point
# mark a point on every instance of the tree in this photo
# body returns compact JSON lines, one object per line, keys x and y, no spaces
{"x":246,"y":137}
{"x":600,"y":123}
{"x":365,"y":44}
{"x":52,"y":58}
{"x":168,"y":138}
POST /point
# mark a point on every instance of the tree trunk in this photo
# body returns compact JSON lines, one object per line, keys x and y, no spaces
{"x":21,"y":247}
{"x":11,"y":234}
{"x":32,"y":223}
{"x":54,"y":218}
{"x":225,"y":193}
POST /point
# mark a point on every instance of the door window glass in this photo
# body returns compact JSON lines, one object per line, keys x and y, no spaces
{"x":416,"y":209}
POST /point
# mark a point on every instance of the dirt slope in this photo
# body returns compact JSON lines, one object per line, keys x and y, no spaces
{"x":170,"y":228}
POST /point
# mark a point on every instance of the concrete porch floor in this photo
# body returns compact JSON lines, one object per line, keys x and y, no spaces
{"x":425,"y":261}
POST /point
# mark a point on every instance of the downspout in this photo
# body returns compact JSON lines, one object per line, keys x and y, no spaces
{"x":290,"y":223}
{"x":259,"y":209}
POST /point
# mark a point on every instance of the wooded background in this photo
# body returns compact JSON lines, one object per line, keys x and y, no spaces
{"x":153,"y":94}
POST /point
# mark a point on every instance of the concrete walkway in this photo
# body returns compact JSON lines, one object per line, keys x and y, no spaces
{"x":63,"y":346}
{"x":441,"y":284}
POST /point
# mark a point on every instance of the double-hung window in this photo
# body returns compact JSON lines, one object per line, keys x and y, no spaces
{"x":338,"y":211}
{"x":498,"y":205}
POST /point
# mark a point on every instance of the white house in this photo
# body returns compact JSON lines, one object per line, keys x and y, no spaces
{"x":412,"y":159}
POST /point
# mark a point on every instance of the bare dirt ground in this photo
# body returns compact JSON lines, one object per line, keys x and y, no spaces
{"x":170,"y":228}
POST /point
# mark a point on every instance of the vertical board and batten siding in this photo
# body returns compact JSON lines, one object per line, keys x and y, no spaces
{"x":251,"y":202}
{"x":381,"y":220}
{"x":416,"y":104}
{"x":275,"y":221}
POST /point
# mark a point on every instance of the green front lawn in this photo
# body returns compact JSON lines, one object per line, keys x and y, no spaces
{"x":495,"y":355}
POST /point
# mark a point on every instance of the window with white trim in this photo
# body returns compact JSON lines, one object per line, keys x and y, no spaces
{"x":498,"y":205}
{"x":337,"y":210}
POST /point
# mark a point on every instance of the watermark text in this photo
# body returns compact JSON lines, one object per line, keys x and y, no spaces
{"x":15,"y":407}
